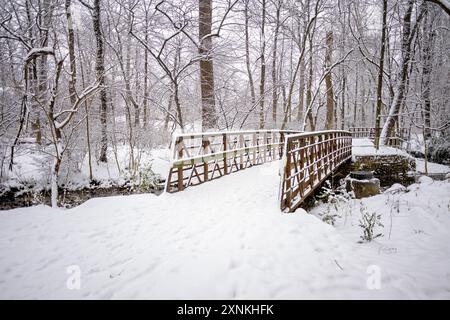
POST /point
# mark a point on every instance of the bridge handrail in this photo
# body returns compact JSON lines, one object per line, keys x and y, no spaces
{"x":178,"y":140}
{"x":200,"y":157}
{"x":315,"y":133}
{"x":233,"y":132}
{"x":309,"y":158}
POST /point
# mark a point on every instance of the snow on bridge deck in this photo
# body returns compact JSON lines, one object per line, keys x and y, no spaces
{"x":233,"y":242}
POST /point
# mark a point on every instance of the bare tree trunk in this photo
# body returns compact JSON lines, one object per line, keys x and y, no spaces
{"x":44,"y":17}
{"x":178,"y":104}
{"x":100,"y":71}
{"x":380,"y":77}
{"x":172,"y":88}
{"x":137,"y":110}
{"x":397,"y":102}
{"x":263,"y":66}
{"x":71,"y":47}
{"x":274,"y":66}
{"x":169,"y":108}
{"x":144,"y":104}
{"x":301,"y":92}
{"x":86,"y":109}
{"x":342,"y":17}
{"x":328,"y":83}
{"x":309,"y":89}
{"x":444,"y":4}
{"x":363,"y":104}
{"x":308,"y":33}
{"x":355,"y":102}
{"x":54,"y":181}
{"x":344,"y":84}
{"x":209,"y":116}
{"x":247,"y":56}
{"x":427,"y":56}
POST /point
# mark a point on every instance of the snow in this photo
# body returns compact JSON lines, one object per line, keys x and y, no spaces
{"x":432,"y":167}
{"x":38,"y":51}
{"x":365,"y":147}
{"x":32,"y":169}
{"x":227,"y":239}
{"x":445,"y":4}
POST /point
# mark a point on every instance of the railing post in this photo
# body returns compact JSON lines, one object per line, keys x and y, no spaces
{"x":302,"y":165}
{"x":327,"y":151}
{"x":334,"y":151}
{"x":265,"y":143}
{"x":287,"y":174}
{"x":242,"y":143}
{"x":312,"y":174}
{"x":205,"y":144}
{"x":180,"y":168}
{"x":319,"y":157}
{"x":255,"y":144}
{"x":225,"y":160}
{"x":338,"y":140}
{"x":339,"y":147}
{"x":273,"y":155}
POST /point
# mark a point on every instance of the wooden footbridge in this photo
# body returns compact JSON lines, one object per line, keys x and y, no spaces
{"x":398,"y":140}
{"x":308,"y":158}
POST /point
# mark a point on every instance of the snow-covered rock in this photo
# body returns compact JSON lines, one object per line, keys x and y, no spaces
{"x":396,"y":188}
{"x":425,"y":180}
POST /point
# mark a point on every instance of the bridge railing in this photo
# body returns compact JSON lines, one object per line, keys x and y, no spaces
{"x":309,"y":159}
{"x":200,"y":157}
{"x":397,"y":141}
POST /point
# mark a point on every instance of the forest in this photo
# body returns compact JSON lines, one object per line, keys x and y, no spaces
{"x":89,"y":84}
{"x":224,"y":149}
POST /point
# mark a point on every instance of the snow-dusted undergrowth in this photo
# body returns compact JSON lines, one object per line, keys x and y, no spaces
{"x":228,"y":239}
{"x":31,"y":171}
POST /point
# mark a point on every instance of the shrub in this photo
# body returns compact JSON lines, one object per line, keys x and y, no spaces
{"x":335,"y":203}
{"x":368,"y":222}
{"x":147,"y":178}
{"x":439,"y":148}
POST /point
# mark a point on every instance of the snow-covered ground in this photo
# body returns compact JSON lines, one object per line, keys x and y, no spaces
{"x":364,"y":147}
{"x":228,"y":239}
{"x":31,"y":171}
{"x":432,"y":167}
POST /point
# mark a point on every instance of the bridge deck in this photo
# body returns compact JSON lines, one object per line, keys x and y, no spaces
{"x":308,"y":158}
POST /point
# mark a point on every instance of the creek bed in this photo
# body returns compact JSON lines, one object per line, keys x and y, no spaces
{"x":15,"y":198}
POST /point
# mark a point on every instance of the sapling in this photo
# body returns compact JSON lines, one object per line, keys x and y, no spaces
{"x":334,"y":202}
{"x":368,"y":222}
{"x":147,"y":178}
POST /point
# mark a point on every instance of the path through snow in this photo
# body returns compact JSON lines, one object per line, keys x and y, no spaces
{"x":222,"y":240}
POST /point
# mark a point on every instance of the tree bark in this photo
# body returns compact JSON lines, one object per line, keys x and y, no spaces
{"x":309,"y":89}
{"x":100,"y":72}
{"x":274,"y":66}
{"x":380,"y":77}
{"x":407,"y":38}
{"x":301,"y":92}
{"x":247,"y":56}
{"x":427,"y":57}
{"x":71,"y":47}
{"x":328,"y":82}
{"x":262,"y":80}
{"x":344,"y":84}
{"x":144,"y":104}
{"x":209,"y":116}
